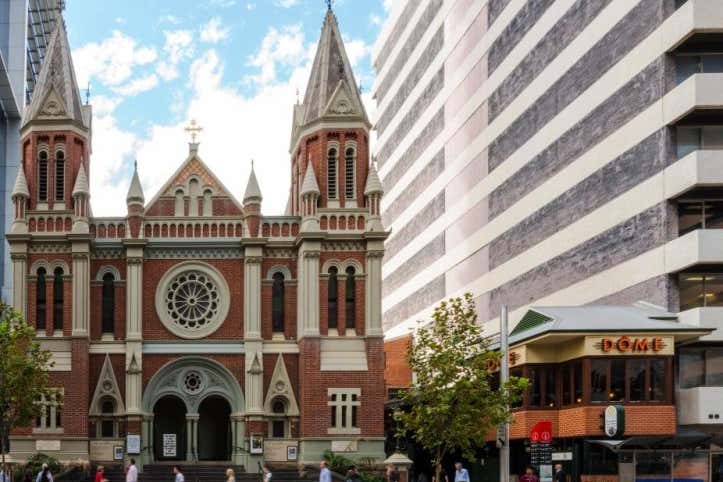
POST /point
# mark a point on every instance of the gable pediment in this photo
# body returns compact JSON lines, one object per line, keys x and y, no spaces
{"x":280,"y":387}
{"x":106,"y":388}
{"x":342,"y":103}
{"x":53,"y":106}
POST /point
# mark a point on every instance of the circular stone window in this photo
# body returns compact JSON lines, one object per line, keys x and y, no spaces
{"x":192,"y":300}
{"x":193,"y":382}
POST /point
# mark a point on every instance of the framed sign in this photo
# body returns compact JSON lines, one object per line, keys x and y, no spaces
{"x":118,"y":452}
{"x":133,"y":444}
{"x":614,"y":417}
{"x":169,"y":445}
{"x":257,"y":444}
{"x":292,"y":452}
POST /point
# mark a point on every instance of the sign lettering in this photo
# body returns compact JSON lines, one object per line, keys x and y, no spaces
{"x":626,"y":344}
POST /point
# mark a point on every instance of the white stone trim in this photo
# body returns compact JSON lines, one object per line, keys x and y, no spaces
{"x":110,"y":348}
{"x":340,"y":428}
{"x":223,"y":303}
{"x":107,"y":268}
{"x":329,"y":146}
{"x":279,"y":268}
{"x":358,"y":269}
{"x":199,"y":348}
{"x":329,"y":263}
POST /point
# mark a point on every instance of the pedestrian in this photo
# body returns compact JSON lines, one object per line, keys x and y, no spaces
{"x":529,"y":476}
{"x":394,"y":475}
{"x":44,"y":475}
{"x":460,"y":473}
{"x":230,"y":476}
{"x":267,"y":473}
{"x":422,"y":477}
{"x":132,"y":472}
{"x":352,"y":475}
{"x":5,"y":474}
{"x":560,"y":475}
{"x":99,"y":473}
{"x":179,"y":474}
{"x":324,"y":472}
{"x":28,"y":477}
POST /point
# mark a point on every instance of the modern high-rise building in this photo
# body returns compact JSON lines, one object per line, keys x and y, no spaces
{"x":552,"y":153}
{"x":25,"y":28}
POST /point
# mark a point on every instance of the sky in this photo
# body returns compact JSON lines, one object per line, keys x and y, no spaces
{"x":232,"y":65}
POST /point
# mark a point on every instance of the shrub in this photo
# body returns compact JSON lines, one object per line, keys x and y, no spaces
{"x":35,"y":464}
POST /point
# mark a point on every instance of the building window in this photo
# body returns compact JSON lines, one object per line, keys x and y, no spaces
{"x":58,"y":299}
{"x":108,"y":303}
{"x":40,"y":300}
{"x":59,"y":176}
{"x":333,"y":298}
{"x":344,"y":406}
{"x":50,"y":418}
{"x":700,"y":290}
{"x":178,"y":209}
{"x":107,"y":423}
{"x":543,"y":386}
{"x":331,"y":168}
{"x":193,"y":192}
{"x":700,"y":367}
{"x":571,"y":374}
{"x":687,"y":65}
{"x":636,"y":379}
{"x":278,"y":425}
{"x":43,"y":176}
{"x":207,"y":203}
{"x":693,"y":138}
{"x":349,"y":161}
{"x":703,"y":214}
{"x":277,"y":303}
{"x":350,"y":298}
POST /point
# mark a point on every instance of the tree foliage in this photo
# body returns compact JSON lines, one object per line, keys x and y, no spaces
{"x":455,"y":400}
{"x":23,"y":373}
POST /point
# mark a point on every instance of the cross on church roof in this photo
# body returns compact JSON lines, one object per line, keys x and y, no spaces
{"x":193,"y":129}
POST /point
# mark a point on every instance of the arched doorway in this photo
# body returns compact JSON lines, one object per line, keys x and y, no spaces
{"x":169,"y":428}
{"x":214,"y":429}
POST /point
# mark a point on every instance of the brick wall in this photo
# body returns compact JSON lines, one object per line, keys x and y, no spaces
{"x":397,"y":373}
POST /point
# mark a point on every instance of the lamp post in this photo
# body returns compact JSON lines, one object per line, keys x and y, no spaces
{"x":504,"y":430}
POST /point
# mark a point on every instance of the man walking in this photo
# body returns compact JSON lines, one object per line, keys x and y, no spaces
{"x":560,"y":475}
{"x":132,"y":472}
{"x":324,"y":472}
{"x":460,"y":473}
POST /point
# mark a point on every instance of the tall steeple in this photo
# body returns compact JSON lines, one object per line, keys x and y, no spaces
{"x":56,"y":96}
{"x":331,"y":79}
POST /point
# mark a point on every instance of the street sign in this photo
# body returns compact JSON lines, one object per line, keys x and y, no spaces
{"x":541,"y":445}
{"x":614,"y":420}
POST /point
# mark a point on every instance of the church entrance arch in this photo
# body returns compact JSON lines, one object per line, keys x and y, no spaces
{"x":214,"y":429}
{"x":205,"y":402}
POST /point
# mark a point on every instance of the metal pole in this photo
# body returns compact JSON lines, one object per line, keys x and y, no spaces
{"x":504,"y":377}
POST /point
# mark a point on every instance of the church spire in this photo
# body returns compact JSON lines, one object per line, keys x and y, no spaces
{"x":135,"y":191}
{"x":56,"y":95}
{"x":253,"y":191}
{"x":331,"y":78}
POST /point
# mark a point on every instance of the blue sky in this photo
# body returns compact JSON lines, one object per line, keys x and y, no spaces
{"x":234,"y":65}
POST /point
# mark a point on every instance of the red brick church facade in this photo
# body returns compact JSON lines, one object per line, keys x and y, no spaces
{"x":195,"y":328}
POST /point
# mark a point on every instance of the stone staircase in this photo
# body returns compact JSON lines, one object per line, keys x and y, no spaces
{"x":195,"y":472}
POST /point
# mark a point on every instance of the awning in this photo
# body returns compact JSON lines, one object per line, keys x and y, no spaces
{"x":688,"y":439}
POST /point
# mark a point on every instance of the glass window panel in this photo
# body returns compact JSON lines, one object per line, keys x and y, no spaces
{"x":277,"y":429}
{"x":713,"y":290}
{"x":617,"y":381}
{"x":691,"y":368}
{"x":714,"y":214}
{"x":599,"y":380}
{"x":566,"y":385}
{"x":577,"y":381}
{"x":712,"y":64}
{"x":714,"y":367}
{"x":688,"y":140}
{"x":690,"y":217}
{"x":638,"y":370}
{"x":685,"y":66}
{"x":690,"y":467}
{"x":712,"y":137}
{"x":106,"y":429}
{"x":550,"y":387}
{"x":657,"y":380}
{"x":652,"y":466}
{"x":534,"y":374}
{"x":691,"y":291}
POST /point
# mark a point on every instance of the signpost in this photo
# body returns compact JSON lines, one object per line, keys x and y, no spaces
{"x":541,"y":449}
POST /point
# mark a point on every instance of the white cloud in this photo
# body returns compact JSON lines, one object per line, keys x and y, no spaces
{"x":286,"y":3}
{"x":250,"y":6}
{"x":375,"y":19}
{"x":214,"y":31}
{"x":103,"y":105}
{"x":388,"y":4}
{"x":136,"y":86}
{"x":178,"y":46}
{"x":112,"y":61}
{"x":166,"y":70}
{"x":356,"y":50}
{"x":279,"y":48}
{"x":221,"y":3}
{"x":172,"y":19}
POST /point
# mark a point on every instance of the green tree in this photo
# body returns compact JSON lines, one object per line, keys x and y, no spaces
{"x":23,"y":374}
{"x":455,"y":400}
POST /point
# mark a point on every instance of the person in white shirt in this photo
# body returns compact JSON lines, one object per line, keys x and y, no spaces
{"x":132,"y":472}
{"x":179,"y":474}
{"x":324,"y":473}
{"x":267,"y":473}
{"x":460,"y":474}
{"x":44,"y":475}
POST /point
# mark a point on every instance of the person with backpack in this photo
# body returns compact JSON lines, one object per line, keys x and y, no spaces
{"x":44,"y":475}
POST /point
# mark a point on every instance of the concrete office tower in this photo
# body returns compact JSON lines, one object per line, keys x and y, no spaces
{"x":25,"y":28}
{"x":562,"y":152}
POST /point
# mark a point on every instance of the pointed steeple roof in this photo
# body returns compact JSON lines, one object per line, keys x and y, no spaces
{"x":21,"y":184}
{"x":310,"y":185}
{"x":330,"y":73}
{"x":253,"y":192}
{"x":81,"y":182}
{"x":105,"y":389}
{"x":373,"y":185}
{"x":280,"y":389}
{"x":56,"y":94}
{"x":135,"y":191}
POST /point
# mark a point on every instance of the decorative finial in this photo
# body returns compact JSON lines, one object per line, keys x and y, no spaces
{"x":360,"y":87}
{"x":193,"y":129}
{"x":297,"y":96}
{"x":135,"y":164}
{"x":252,"y":163}
{"x":340,"y":66}
{"x":87,"y":94}
{"x":328,"y":4}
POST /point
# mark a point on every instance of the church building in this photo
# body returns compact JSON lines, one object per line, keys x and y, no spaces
{"x":194,"y":328}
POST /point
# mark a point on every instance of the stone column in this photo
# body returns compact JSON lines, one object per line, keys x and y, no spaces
{"x":19,"y":257}
{"x":307,"y":289}
{"x":373,"y":289}
{"x":237,"y":439}
{"x":81,"y":285}
{"x":134,"y":326}
{"x":253,"y":256}
{"x":190,"y":424}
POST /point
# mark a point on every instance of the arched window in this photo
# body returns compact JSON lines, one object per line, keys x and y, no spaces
{"x":107,"y":424}
{"x":333,"y":298}
{"x":207,"y":203}
{"x":58,"y":299}
{"x":349,"y":173}
{"x":277,"y":303}
{"x":43,"y":176}
{"x":193,"y":192}
{"x":331,"y":167}
{"x":350,"y":298}
{"x":40,"y":300}
{"x":59,"y":175}
{"x":278,"y":425}
{"x":108,"y":303}
{"x":178,"y":210}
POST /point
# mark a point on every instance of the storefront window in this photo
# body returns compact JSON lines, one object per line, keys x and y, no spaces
{"x":617,"y":381}
{"x":577,"y":380}
{"x":550,"y":387}
{"x":690,"y":467}
{"x":652,"y":466}
{"x":543,"y":383}
{"x":628,"y":379}
{"x":638,"y":373}
{"x":566,"y":384}
{"x":536,"y":384}
{"x":657,"y":380}
{"x":599,"y":380}
{"x":700,"y":367}
{"x":700,"y":290}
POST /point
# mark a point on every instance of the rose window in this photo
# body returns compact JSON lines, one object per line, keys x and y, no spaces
{"x":192,"y":300}
{"x":192,"y":382}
